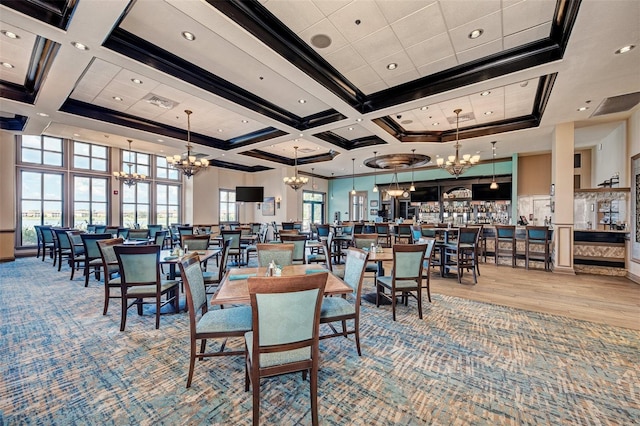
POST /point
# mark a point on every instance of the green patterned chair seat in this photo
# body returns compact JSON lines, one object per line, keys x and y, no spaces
{"x":225,"y":320}
{"x":146,"y":289}
{"x":336,"y":306}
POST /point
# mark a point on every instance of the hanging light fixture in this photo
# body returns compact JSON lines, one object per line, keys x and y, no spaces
{"x":395,"y":191}
{"x":494,"y":184}
{"x":412,"y":188}
{"x":313,"y":183}
{"x":375,"y":173}
{"x":332,"y":183}
{"x":296,"y":182}
{"x":188,"y":165}
{"x":353,"y":176}
{"x":129,"y":178}
{"x":454,"y":164}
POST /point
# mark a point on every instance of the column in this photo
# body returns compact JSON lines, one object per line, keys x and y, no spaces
{"x":7,"y":195}
{"x":562,"y":178}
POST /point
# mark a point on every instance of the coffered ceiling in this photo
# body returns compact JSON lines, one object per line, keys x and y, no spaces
{"x":337,"y":78}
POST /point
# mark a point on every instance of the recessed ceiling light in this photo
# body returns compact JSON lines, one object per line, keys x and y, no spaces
{"x":524,"y":84}
{"x":317,"y":148}
{"x":43,"y":114}
{"x":302,"y":101}
{"x":392,"y":66}
{"x":136,"y":80}
{"x":435,"y":124}
{"x":350,"y":128}
{"x":358,"y":119}
{"x":625,"y":49}
{"x":583,"y":108}
{"x":117,"y":98}
{"x":160,"y":140}
{"x":476,"y":33}
{"x":76,"y":134}
{"x":220,"y":130}
{"x":485,"y":93}
{"x":488,"y":113}
{"x":245,"y":121}
{"x":6,"y":65}
{"x":424,"y":108}
{"x":79,"y":46}
{"x":189,"y":36}
{"x":301,"y":134}
{"x":10,"y":34}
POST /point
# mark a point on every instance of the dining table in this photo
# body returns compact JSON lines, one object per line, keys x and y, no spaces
{"x":234,"y":287}
{"x":167,"y":258}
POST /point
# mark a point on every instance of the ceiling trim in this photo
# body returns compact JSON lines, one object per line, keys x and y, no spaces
{"x":238,"y":167}
{"x":42,"y":57}
{"x":347,"y":144}
{"x":15,"y":124}
{"x":56,"y":13}
{"x":142,"y":51}
{"x":255,"y":137}
{"x":263,"y":155}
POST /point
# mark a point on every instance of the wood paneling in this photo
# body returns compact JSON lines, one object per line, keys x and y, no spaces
{"x":534,"y":175}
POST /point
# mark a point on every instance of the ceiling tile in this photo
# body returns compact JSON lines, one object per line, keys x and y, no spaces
{"x":378,"y":45}
{"x":398,"y":9}
{"x":324,"y":27}
{"x":438,"y":66}
{"x":363,"y":76}
{"x":328,"y":7}
{"x":299,"y":15}
{"x":527,"y":14}
{"x":364,"y":11}
{"x":373,"y":87}
{"x":481,"y":51}
{"x":490,"y":24}
{"x":432,"y":50}
{"x":526,"y":36}
{"x":461,"y":12}
{"x":396,"y":79}
{"x":400,"y":58}
{"x":356,"y":132}
{"x":346,"y":59}
{"x":422,"y":25}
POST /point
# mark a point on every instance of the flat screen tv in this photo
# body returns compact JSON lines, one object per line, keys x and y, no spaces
{"x":482,"y":192}
{"x":423,"y":195}
{"x":250,"y":194}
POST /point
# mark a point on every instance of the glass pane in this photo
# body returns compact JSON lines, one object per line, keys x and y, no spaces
{"x":52,"y":158}
{"x":99,"y":165}
{"x":143,"y":170}
{"x":161,"y":194}
{"x":317,"y":213}
{"x":232,"y":197}
{"x":31,"y":216}
{"x":81,"y":215}
{"x":99,"y":213}
{"x":52,"y":144}
{"x":52,"y":187}
{"x":127,"y":157}
{"x":128,"y":215}
{"x":31,"y":185}
{"x":80,"y":148}
{"x":142,"y":216}
{"x":224,"y":196}
{"x":174,"y":217}
{"x":161,"y":162}
{"x":143,"y":192}
{"x":161,"y":215}
{"x":81,"y":188}
{"x":31,"y":156}
{"x":32,"y":141}
{"x":128,"y":194}
{"x":173,"y":174}
{"x":143,"y":158}
{"x":52,"y":213}
{"x":81,"y":162}
{"x":98,"y":151}
{"x":173,"y":194}
{"x":99,"y":190}
{"x":161,"y":173}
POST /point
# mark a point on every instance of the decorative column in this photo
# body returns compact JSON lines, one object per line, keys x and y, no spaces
{"x":562,"y":197}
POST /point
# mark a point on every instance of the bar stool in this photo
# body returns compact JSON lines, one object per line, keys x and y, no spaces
{"x":506,"y":234}
{"x":538,"y":236}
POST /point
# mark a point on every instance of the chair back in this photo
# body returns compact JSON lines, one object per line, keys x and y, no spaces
{"x":538,"y":234}
{"x":428,"y":253}
{"x":288,"y":232}
{"x":255,"y":228}
{"x":224,"y":258}
{"x":185,"y":230}
{"x":428,"y":231}
{"x":108,"y":254}
{"x":234,"y":236}
{"x":382,"y":229}
{"x":507,"y":232}
{"x":323,"y":230}
{"x":153,"y":229}
{"x":100,"y":229}
{"x":286,"y":318}
{"x":123,"y":233}
{"x":287,"y":225}
{"x":354,"y":267}
{"x":358,"y":228}
{"x":407,"y":261}
{"x":262,"y":235}
{"x":195,"y":242}
{"x":299,"y":243}
{"x":281,"y":254}
{"x":362,"y":241}
{"x":416,"y":234}
{"x":404,"y":230}
{"x":75,"y":238}
{"x":194,"y":288}
{"x":159,"y":238}
{"x":138,"y":234}
{"x":468,"y":236}
{"x":90,"y":243}
{"x":91,"y":229}
{"x":138,"y":265}
{"x":47,"y":234}
{"x":113,"y":230}
{"x":203,"y":229}
{"x":64,"y":243}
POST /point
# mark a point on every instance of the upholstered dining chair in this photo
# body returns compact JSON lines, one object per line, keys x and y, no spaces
{"x":405,"y":278}
{"x":92,"y":257}
{"x":110,"y":268}
{"x":262,"y":238}
{"x":281,"y":254}
{"x":77,"y":259}
{"x":403,"y":232}
{"x":299,"y":247}
{"x":235,"y":248}
{"x":209,"y":324}
{"x":138,"y":234}
{"x":341,"y":309}
{"x":364,"y":241}
{"x":324,"y":256}
{"x":427,"y":264}
{"x":153,"y":229}
{"x":140,"y":279}
{"x":538,"y":245}
{"x":286,"y":319}
{"x":462,"y":254}
{"x":63,"y":246}
{"x":47,"y":242}
{"x":39,"y":239}
{"x":505,"y":243}
{"x":211,"y":280}
{"x":196,"y":242}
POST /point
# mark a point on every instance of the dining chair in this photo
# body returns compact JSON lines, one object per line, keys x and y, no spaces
{"x":236,"y":248}
{"x":47,"y":242}
{"x":153,"y":229}
{"x":288,"y":232}
{"x":364,"y":241}
{"x":39,"y":239}
{"x":138,"y":234}
{"x":540,"y":237}
{"x":63,"y":246}
{"x":427,"y":264}
{"x":160,"y":238}
{"x":113,"y":230}
{"x":462,"y":254}
{"x":262,"y":238}
{"x":100,"y":229}
{"x":323,"y":230}
{"x":195,"y":242}
{"x":384,"y":235}
{"x":284,"y":337}
{"x":324,"y":256}
{"x":209,"y":324}
{"x":341,"y":309}
{"x":403,"y":232}
{"x":77,"y":254}
{"x":299,"y":247}
{"x":139,"y":268}
{"x":281,"y":254}
{"x":405,"y":278}
{"x":110,"y":268}
{"x":123,"y":233}
{"x":92,"y":257}
{"x":211,"y":280}
{"x":287,"y":225}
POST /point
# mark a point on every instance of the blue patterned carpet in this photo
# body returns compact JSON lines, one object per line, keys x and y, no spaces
{"x":62,"y":362}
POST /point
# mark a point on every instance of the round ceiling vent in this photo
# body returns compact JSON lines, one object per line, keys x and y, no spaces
{"x":321,"y":41}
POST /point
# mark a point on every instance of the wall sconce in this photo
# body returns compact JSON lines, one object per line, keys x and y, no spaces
{"x":278,"y":202}
{"x":258,"y":204}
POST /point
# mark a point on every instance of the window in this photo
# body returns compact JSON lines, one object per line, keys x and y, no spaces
{"x":139,"y":162}
{"x":228,"y":207}
{"x":135,"y":205}
{"x":167,"y":205}
{"x":89,"y":201}
{"x":40,"y":203}
{"x":164,"y":171}
{"x":43,"y":150}
{"x":312,"y":209}
{"x":90,"y":157}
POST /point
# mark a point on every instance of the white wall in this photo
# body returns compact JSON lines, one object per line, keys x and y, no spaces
{"x":611,"y":158}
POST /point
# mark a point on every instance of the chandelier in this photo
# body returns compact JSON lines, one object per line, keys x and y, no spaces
{"x":188,"y":165}
{"x":395,"y":191}
{"x":128,"y":178}
{"x":296,"y":182}
{"x":454,"y":164}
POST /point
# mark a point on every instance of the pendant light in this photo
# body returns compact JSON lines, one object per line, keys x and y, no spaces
{"x":353,"y":176}
{"x":375,"y":173}
{"x":494,"y":184}
{"x":412,"y":188}
{"x":313,"y":182}
{"x":332,"y":184}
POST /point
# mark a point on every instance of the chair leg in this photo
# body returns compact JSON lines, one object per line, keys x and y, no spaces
{"x":158,"y":297}
{"x":256,"y":399}
{"x":313,"y":392}
{"x":123,"y":316}
{"x":419,"y":302}
{"x":356,"y":326}
{"x":393,"y":304}
{"x":86,"y":275}
{"x":192,"y":361}
{"x":106,"y":299}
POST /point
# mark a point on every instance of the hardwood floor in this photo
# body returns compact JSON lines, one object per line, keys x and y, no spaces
{"x":608,"y":300}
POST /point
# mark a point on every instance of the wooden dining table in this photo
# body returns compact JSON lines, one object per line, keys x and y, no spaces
{"x":167,"y":259}
{"x":237,"y":290}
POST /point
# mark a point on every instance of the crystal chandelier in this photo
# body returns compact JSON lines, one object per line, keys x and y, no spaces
{"x":395,"y":191}
{"x":128,"y":178}
{"x":188,"y":165}
{"x":454,"y":164}
{"x":296,"y":182}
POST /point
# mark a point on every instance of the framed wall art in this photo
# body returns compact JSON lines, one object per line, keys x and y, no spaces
{"x":269,"y":206}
